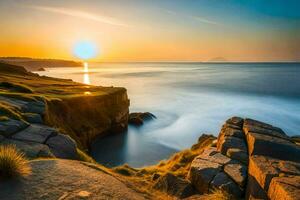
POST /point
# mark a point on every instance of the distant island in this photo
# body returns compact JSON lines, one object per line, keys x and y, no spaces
{"x":36,"y":64}
{"x":218,"y":59}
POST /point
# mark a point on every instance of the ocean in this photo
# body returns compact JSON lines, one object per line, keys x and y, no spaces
{"x":189,"y":99}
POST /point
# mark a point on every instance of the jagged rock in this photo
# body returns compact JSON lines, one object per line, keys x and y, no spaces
{"x":232,"y":132}
{"x":261,"y":171}
{"x":35,"y":133}
{"x":231,"y":142}
{"x":62,"y":146}
{"x":223,"y":182}
{"x":30,"y":149}
{"x":237,"y":172}
{"x":174,"y":186}
{"x":237,"y":121}
{"x":211,"y":154}
{"x":11,"y":126}
{"x":33,"y":118}
{"x":266,"y":145}
{"x":238,"y":154}
{"x":202,"y":173}
{"x":138,"y":119}
{"x":287,"y":188}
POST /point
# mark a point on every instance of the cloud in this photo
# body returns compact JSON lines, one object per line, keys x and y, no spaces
{"x":196,"y":18}
{"x":203,"y":20}
{"x":81,"y":14}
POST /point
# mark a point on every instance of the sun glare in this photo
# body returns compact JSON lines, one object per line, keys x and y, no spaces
{"x":86,"y":67}
{"x":85,"y":50}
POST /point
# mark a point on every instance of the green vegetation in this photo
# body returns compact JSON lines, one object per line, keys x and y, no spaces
{"x":178,"y":164}
{"x":84,"y":157}
{"x":15,"y":87}
{"x":9,"y":111}
{"x":13,"y":163}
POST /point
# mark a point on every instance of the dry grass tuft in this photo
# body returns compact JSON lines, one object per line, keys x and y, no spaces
{"x":218,"y":195}
{"x":13,"y":163}
{"x":82,"y":156}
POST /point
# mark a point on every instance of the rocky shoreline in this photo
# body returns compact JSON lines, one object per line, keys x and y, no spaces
{"x":249,"y":159}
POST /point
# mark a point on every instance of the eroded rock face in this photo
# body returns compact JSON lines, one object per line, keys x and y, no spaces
{"x":287,"y":188}
{"x":174,"y":186}
{"x":259,"y":156}
{"x":202,"y":173}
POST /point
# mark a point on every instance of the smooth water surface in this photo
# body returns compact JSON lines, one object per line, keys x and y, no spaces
{"x":190,"y":99}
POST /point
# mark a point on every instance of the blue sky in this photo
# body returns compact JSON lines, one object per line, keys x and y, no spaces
{"x":153,"y":30}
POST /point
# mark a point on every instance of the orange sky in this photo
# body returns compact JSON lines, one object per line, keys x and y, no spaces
{"x":145,"y":32}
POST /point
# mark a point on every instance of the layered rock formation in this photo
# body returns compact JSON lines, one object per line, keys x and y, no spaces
{"x":252,"y":160}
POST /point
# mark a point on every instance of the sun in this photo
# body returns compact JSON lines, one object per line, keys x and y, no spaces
{"x":85,"y":50}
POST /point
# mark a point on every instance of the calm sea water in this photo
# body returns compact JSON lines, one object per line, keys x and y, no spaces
{"x":190,"y":99}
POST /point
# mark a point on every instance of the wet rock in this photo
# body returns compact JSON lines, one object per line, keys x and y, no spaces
{"x":62,"y":146}
{"x":287,"y":188}
{"x":138,"y":119}
{"x":35,"y":133}
{"x":33,"y":118}
{"x":11,"y":126}
{"x":175,"y":186}
{"x":238,"y":155}
{"x":266,"y":145}
{"x":202,"y":173}
{"x":237,"y":172}
{"x":223,"y":182}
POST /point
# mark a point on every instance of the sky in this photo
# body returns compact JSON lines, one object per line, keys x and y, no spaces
{"x":152,"y":30}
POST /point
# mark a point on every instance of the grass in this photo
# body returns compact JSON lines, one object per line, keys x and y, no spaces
{"x":9,"y":111}
{"x":218,"y":195}
{"x":13,"y":163}
{"x":179,"y":163}
{"x":16,"y":87}
{"x":82,"y":156}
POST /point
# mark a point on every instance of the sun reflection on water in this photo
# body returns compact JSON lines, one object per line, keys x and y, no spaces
{"x":86,"y":76}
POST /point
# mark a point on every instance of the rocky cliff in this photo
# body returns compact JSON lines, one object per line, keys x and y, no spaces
{"x":43,"y":115}
{"x":252,"y":160}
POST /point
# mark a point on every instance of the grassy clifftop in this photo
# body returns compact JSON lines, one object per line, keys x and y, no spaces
{"x":81,"y":111}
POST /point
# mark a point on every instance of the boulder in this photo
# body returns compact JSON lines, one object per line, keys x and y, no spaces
{"x":33,"y":118}
{"x":263,"y":169}
{"x":35,"y":133}
{"x":223,"y":182}
{"x":238,"y":155}
{"x":259,"y":144}
{"x":287,"y":188}
{"x":228,"y":131}
{"x":139,"y":118}
{"x":11,"y":126}
{"x":211,"y":154}
{"x":257,"y":124}
{"x":174,"y":186}
{"x":231,"y":142}
{"x":30,"y":149}
{"x":63,"y":146}
{"x":237,"y":172}
{"x":202,"y":173}
{"x":38,"y":107}
{"x":237,"y":121}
